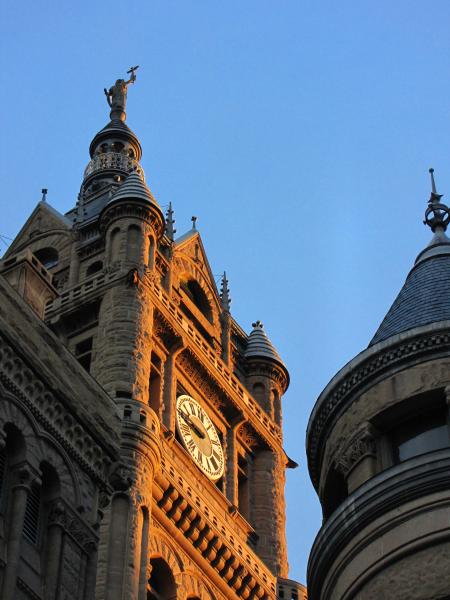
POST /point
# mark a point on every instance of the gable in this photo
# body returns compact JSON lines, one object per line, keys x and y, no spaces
{"x":43,"y":221}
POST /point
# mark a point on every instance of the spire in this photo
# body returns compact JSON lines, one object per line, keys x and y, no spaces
{"x":437,"y":215}
{"x":259,"y":345}
{"x":425,"y":295}
{"x":170,"y":221}
{"x":225,"y":293}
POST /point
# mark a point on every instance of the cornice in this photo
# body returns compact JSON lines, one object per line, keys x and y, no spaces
{"x":388,"y":357}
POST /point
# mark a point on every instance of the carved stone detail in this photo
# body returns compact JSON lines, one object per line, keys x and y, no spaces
{"x":362,"y":444}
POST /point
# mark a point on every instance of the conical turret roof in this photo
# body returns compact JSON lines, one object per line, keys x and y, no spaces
{"x":133,"y":188}
{"x":259,"y":345}
{"x":425,"y":295}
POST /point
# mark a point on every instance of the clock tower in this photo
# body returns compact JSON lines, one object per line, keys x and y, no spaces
{"x":196,"y":506}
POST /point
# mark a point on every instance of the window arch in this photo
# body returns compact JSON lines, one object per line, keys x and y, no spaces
{"x":162,"y":582}
{"x":198,"y":297}
{"x":94,"y":267}
{"x":134,"y":243}
{"x":114,"y":245}
{"x":47,"y":256}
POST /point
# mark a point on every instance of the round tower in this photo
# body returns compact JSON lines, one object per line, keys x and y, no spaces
{"x":119,"y":207}
{"x":267,"y":379}
{"x":378,"y":447}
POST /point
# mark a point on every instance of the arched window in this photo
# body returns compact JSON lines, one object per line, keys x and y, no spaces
{"x":162,"y":583}
{"x":198,"y":297}
{"x":151,"y":252}
{"x":134,"y":243}
{"x":276,"y":404}
{"x":94,"y":267}
{"x":47,"y":256}
{"x":114,"y":245}
{"x":259,"y":393}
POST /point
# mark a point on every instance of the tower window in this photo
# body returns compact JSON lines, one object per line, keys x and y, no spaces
{"x":47,"y":256}
{"x":32,"y":513}
{"x":198,"y":297}
{"x":243,"y":487}
{"x":423,"y":434}
{"x":155,"y":383}
{"x":94,"y":267}
{"x":83,"y":352}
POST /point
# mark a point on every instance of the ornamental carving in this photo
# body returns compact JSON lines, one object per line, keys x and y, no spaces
{"x":248,"y":436}
{"x":200,"y":378}
{"x":361,"y":445}
{"x":164,"y":331}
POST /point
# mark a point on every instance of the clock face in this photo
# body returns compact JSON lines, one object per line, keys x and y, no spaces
{"x":200,"y":437}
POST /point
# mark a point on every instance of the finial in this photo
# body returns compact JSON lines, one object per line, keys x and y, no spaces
{"x":435,"y":197}
{"x":170,"y":221}
{"x":194,"y":221}
{"x":225,"y":293}
{"x":44,"y":194}
{"x":257,"y":325}
{"x":437,"y":215}
{"x":116,"y":96}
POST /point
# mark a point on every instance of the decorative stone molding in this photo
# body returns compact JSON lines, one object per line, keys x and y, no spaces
{"x":248,"y":436}
{"x":361,"y":445}
{"x":392,"y":358}
{"x":200,"y":378}
{"x":262,"y":368}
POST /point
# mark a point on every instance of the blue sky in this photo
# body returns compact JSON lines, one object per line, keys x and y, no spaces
{"x":300,"y":133}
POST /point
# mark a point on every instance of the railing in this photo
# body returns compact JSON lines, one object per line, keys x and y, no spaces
{"x":113,"y":160}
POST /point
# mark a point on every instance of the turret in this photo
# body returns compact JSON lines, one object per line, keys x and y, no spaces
{"x":267,"y":377}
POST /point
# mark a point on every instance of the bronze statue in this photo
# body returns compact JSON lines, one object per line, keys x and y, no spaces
{"x":117,"y":95}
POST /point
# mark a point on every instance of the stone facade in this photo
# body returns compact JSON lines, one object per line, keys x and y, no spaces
{"x":117,"y":319}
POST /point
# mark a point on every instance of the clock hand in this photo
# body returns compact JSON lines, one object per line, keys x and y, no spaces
{"x":191,"y":424}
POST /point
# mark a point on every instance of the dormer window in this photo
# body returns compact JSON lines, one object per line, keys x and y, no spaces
{"x":47,"y":256}
{"x":198,"y":297}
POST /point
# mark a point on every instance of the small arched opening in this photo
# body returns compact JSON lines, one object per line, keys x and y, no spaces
{"x":162,"y":584}
{"x":47,"y":257}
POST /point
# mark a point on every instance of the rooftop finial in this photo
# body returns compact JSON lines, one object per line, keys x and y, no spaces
{"x":225,"y":293}
{"x":194,"y":221}
{"x":437,"y":215}
{"x":435,"y":197}
{"x":116,"y":96}
{"x":257,"y":325}
{"x":170,"y":221}
{"x":44,"y":194}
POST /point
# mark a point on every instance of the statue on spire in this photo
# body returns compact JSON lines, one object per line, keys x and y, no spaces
{"x":116,"y":96}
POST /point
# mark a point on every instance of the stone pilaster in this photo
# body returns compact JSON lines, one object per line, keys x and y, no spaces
{"x":357,"y":460}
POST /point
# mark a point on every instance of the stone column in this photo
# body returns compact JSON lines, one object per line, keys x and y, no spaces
{"x":74,"y":269}
{"x":231,"y":475}
{"x":169,"y":386}
{"x":19,"y":496}
{"x":117,"y":546}
{"x":55,"y":532}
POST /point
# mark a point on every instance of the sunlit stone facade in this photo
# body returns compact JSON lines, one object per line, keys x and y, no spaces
{"x":106,"y":489}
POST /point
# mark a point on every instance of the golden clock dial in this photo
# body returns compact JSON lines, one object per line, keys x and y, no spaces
{"x":200,"y":437}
